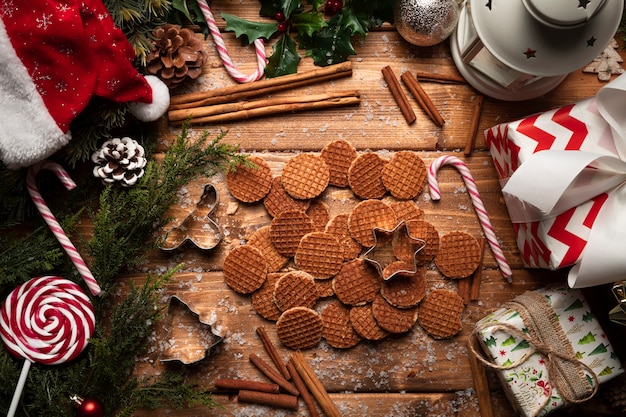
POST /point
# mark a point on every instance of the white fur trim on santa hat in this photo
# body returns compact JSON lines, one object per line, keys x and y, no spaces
{"x":149,"y":112}
{"x":28,"y":133}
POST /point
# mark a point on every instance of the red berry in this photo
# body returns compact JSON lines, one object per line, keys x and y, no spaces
{"x":282,"y":27}
{"x":332,"y":7}
{"x":279,"y":16}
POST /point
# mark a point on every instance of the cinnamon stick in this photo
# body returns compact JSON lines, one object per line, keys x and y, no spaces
{"x":304,"y":392}
{"x":272,"y":352}
{"x":398,"y":95}
{"x":243,"y":384}
{"x":422,"y":98}
{"x":272,"y":374}
{"x":265,"y":398}
{"x":464,"y":285}
{"x":480,"y":385}
{"x":230,"y":108}
{"x":273,"y":109}
{"x":314,"y":385}
{"x":262,"y":87}
{"x":478,"y":273}
{"x":473,"y":130}
{"x":437,"y":77}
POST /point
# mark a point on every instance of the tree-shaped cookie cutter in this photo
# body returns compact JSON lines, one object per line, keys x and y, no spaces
{"x":197,"y":227}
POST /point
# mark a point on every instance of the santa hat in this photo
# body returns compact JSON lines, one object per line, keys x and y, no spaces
{"x":55,"y":57}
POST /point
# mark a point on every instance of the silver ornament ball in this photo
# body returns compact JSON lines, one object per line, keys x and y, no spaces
{"x":426,"y":22}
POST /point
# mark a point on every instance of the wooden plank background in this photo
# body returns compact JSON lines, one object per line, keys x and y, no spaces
{"x":407,"y":375}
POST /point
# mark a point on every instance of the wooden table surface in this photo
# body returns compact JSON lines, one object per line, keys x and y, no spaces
{"x":407,"y":375}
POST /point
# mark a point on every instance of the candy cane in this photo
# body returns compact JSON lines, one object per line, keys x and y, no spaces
{"x":52,"y":222}
{"x":47,"y":320}
{"x":470,"y":184}
{"x":259,"y":47}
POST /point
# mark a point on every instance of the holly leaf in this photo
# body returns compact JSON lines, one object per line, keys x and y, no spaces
{"x":250,"y":30}
{"x":306,"y":24}
{"x":331,"y":45}
{"x":284,"y":59}
{"x":270,"y":7}
{"x":357,"y":23}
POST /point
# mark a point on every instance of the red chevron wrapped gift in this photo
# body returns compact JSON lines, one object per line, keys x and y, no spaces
{"x":562,"y":174}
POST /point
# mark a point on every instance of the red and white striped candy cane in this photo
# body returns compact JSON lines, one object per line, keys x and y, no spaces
{"x":479,"y":207}
{"x":52,"y":222}
{"x":259,"y":47}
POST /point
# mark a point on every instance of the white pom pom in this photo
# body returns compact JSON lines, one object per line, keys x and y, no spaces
{"x":149,"y":112}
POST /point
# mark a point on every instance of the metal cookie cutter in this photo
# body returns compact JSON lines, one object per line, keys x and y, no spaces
{"x":197,"y":227}
{"x":382,"y":255}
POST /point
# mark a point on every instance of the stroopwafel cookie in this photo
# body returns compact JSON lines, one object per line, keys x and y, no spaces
{"x":305,"y":176}
{"x":365,"y":176}
{"x":319,"y":212}
{"x":277,"y":200}
{"x":440,"y":313}
{"x":287,"y":229}
{"x":398,"y":268}
{"x":421,"y":247}
{"x":299,"y":328}
{"x":356,"y":283}
{"x":263,"y":298}
{"x":406,"y":210}
{"x":245,"y":269}
{"x":366,"y":216}
{"x":324,"y":288}
{"x":338,"y":227}
{"x":364,"y":323}
{"x":320,"y":254}
{"x":338,"y":330}
{"x":338,"y":156}
{"x":393,"y":319}
{"x":262,"y":240}
{"x":250,"y":183}
{"x":459,"y":255}
{"x":295,"y":289}
{"x":405,"y":290}
{"x":404,"y":175}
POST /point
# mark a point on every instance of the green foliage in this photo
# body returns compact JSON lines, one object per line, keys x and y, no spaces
{"x":326,"y":40}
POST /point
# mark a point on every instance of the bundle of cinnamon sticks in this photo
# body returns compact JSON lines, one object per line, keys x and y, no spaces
{"x":231,"y":103}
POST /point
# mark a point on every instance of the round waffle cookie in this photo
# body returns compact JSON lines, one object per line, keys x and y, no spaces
{"x":365,"y":176}
{"x":324,"y":288}
{"x":424,"y":245}
{"x":338,"y":227}
{"x":393,"y":319}
{"x":320,"y":254}
{"x":440,"y":313}
{"x":338,"y":330}
{"x":287,"y":229}
{"x":295,"y":289}
{"x":277,"y":200}
{"x":250,"y":183}
{"x":245,"y":269}
{"x":405,"y":290}
{"x":404,"y":175}
{"x":305,"y":176}
{"x":398,"y":268}
{"x":338,"y":155}
{"x":459,"y":255}
{"x":356,"y":283}
{"x":263,"y":242}
{"x":299,"y":328}
{"x":263,"y":298}
{"x":406,"y":210}
{"x":319,"y":212}
{"x":367,"y":215}
{"x":364,"y":323}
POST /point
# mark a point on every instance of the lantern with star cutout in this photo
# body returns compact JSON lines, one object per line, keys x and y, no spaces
{"x":521,"y":49}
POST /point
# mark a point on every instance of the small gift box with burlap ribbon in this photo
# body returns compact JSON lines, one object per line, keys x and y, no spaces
{"x":548,"y":348}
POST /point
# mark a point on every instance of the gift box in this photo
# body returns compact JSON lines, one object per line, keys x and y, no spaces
{"x":548,"y":348}
{"x":562,"y":174}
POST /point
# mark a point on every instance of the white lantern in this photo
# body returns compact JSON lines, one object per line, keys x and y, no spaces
{"x":521,"y":49}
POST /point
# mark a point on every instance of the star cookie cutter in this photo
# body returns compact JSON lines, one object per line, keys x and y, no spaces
{"x":382,"y":255}
{"x":197,"y":227}
{"x":188,"y":338}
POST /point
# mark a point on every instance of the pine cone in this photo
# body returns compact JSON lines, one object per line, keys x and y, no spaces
{"x":176,"y":55}
{"x":119,"y":160}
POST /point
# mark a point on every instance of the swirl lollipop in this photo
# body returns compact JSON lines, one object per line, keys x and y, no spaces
{"x":47,"y":320}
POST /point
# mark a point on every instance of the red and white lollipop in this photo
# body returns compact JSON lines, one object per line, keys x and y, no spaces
{"x":47,"y":320}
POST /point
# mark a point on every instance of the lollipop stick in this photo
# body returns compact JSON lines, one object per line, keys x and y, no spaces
{"x":17,"y":394}
{"x":479,"y":207}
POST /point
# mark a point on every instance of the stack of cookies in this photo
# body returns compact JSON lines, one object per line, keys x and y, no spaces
{"x":305,"y":255}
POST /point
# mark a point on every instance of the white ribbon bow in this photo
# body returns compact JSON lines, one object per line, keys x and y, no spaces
{"x":551,"y":182}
